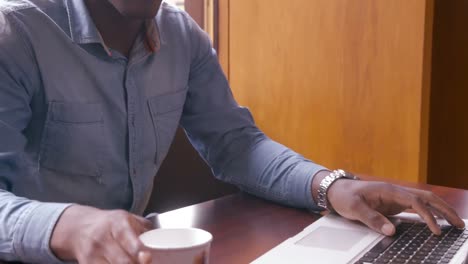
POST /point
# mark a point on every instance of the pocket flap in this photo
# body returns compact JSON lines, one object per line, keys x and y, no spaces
{"x":73,"y":112}
{"x":167,"y":102}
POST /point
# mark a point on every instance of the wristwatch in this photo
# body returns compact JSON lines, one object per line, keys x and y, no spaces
{"x":327,"y":182}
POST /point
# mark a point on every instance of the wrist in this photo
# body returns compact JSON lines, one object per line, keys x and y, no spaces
{"x":63,"y":235}
{"x":334,"y":191}
{"x":322,"y":184}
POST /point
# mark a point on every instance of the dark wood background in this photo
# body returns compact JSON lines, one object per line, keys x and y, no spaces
{"x":184,"y":179}
{"x":448,"y":137}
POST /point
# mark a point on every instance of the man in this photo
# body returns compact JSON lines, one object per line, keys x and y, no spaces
{"x":91,"y":93}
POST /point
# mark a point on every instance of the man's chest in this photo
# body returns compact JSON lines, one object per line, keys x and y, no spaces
{"x":102,"y":111}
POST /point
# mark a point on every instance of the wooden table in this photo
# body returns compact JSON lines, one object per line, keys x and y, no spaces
{"x":245,"y":227}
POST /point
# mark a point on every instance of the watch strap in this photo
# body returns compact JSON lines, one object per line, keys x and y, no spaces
{"x":322,"y":199}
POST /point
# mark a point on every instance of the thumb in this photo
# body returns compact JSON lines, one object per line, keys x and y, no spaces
{"x":374,"y":219}
{"x":144,"y":257}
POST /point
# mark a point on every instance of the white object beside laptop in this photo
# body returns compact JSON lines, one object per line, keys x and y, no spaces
{"x":335,"y":240}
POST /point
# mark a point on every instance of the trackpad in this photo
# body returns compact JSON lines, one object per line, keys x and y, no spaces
{"x":332,"y":238}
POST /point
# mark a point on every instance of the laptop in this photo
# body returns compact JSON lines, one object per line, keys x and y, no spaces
{"x":335,"y":240}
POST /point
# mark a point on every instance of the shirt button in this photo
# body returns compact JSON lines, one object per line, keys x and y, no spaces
{"x":134,"y":171}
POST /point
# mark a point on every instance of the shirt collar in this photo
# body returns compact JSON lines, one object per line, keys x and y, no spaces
{"x":84,"y":31}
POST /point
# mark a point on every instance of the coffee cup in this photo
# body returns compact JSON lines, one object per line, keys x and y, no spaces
{"x":178,"y":245}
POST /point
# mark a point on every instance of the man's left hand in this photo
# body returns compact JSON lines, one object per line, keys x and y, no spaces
{"x":370,"y":203}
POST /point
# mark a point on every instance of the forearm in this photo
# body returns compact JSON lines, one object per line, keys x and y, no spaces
{"x":26,"y":227}
{"x":272,"y":171}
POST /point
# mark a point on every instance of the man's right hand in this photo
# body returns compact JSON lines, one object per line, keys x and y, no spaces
{"x":90,"y":235}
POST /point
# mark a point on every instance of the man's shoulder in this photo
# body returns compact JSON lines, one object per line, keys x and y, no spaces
{"x":178,"y":29}
{"x":8,"y":29}
{"x":21,"y":14}
{"x":15,"y":13}
{"x":8,"y":6}
{"x":172,"y":13}
{"x":168,"y":7}
{"x":173,"y":20}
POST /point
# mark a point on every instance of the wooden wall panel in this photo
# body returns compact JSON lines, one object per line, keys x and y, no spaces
{"x":223,"y":35}
{"x":340,"y":81}
{"x":449,"y":108}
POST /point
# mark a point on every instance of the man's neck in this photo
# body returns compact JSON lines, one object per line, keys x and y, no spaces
{"x":117,"y":31}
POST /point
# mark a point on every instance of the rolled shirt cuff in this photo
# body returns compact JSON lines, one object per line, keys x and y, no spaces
{"x":34,"y":231}
{"x":301,"y":194}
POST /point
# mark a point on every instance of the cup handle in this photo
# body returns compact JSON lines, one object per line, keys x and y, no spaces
{"x":154,"y":218}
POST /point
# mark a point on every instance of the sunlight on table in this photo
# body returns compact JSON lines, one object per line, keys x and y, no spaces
{"x":178,"y":218}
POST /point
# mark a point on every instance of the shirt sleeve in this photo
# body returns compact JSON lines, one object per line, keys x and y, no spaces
{"x":25,"y":225}
{"x":226,"y":136}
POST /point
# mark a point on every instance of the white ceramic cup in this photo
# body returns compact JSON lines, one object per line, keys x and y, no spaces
{"x":178,"y":245}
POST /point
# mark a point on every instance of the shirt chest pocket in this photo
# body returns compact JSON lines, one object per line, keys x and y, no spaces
{"x":165,"y":111}
{"x":72,"y":141}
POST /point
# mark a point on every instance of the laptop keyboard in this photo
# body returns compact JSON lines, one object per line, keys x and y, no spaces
{"x":415,"y":243}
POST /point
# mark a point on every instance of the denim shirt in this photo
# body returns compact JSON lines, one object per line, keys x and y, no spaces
{"x":80,"y":123}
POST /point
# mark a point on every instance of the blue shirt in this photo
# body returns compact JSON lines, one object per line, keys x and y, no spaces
{"x":81,"y":123}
